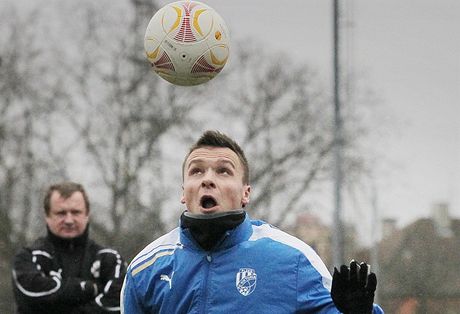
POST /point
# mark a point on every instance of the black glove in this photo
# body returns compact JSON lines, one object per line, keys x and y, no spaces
{"x":89,"y":288}
{"x":44,"y":263}
{"x":104,"y":268}
{"x":353,"y":289}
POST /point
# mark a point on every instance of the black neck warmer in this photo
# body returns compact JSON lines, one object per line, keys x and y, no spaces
{"x":208,"y":229}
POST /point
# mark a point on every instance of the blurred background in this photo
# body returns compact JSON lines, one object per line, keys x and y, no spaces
{"x":78,"y":101}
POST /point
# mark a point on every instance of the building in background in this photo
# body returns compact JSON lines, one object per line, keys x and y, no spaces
{"x":310,"y":229}
{"x":420,"y":265}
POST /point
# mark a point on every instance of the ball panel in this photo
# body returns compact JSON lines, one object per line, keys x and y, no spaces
{"x":202,"y":23}
{"x":171,"y":18}
{"x":185,"y":80}
{"x":183,"y":32}
{"x":164,"y":64}
{"x":218,"y":55}
{"x":183,"y":55}
{"x":152,"y":48}
{"x":212,"y":60}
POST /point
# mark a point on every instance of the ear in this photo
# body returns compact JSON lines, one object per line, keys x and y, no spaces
{"x":182,"y":199}
{"x":47,"y":220}
{"x":246,"y":194}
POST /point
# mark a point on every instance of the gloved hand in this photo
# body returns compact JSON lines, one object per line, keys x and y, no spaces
{"x":107,"y":266}
{"x":44,"y":262}
{"x":353,"y":289}
{"x":89,"y":288}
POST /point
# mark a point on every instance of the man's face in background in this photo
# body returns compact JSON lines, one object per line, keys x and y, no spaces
{"x":68,"y":217}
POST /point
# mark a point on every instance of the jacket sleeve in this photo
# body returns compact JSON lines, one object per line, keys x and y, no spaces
{"x":313,"y":285}
{"x":109,"y":270}
{"x":128,"y":300}
{"x":36,"y":282}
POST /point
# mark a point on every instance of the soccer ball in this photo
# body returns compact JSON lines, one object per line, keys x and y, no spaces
{"x":187,"y":43}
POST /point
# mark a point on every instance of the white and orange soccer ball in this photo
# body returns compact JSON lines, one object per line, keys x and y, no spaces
{"x":187,"y":43}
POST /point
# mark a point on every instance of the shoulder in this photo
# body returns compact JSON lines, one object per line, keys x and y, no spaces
{"x":262,"y":231}
{"x":39,"y":252}
{"x":40,"y":246}
{"x":161,"y":247}
{"x":40,"y":243}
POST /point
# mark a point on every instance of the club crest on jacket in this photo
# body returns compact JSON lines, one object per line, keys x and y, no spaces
{"x":246,"y":280}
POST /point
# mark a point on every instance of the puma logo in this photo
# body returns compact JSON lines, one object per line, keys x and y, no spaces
{"x":166,"y":278}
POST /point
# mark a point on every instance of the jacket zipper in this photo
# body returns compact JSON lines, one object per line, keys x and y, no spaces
{"x":206,"y":280}
{"x":209,"y":259}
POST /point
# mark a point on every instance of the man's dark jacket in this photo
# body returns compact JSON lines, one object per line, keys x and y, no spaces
{"x":67,"y":276}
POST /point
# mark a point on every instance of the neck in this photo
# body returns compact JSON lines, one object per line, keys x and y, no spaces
{"x":209,"y":229}
{"x":68,"y":243}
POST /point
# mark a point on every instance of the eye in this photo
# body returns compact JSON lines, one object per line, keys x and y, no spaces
{"x":194,"y":171}
{"x":224,"y":170}
{"x":77,"y":212}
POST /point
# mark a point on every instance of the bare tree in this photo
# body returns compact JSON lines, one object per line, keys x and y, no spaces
{"x":80,"y":103}
{"x":120,"y":112}
{"x":25,"y":163}
{"x":113,"y":116}
{"x":282,"y":112}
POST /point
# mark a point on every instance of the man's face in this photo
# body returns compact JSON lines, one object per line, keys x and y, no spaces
{"x":68,"y":217}
{"x":213,"y":181}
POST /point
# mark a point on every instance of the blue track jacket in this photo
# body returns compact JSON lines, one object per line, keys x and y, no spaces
{"x":255,"y":269}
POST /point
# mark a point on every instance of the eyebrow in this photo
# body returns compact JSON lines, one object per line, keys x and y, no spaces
{"x":219,"y":161}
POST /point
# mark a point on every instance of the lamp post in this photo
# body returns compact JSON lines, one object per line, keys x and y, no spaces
{"x":338,"y":230}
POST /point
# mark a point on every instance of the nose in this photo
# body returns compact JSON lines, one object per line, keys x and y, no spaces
{"x":68,"y":219}
{"x":207,"y":184}
{"x":208,"y":181}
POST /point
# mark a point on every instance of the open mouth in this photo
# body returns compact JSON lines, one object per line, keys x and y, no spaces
{"x":208,"y":202}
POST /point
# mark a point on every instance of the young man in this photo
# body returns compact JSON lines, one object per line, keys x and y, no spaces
{"x":220,"y":261}
{"x":66,"y":272}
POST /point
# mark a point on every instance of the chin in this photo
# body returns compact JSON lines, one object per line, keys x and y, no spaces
{"x":70,"y":235}
{"x":211,"y":210}
{"x":67,"y":236}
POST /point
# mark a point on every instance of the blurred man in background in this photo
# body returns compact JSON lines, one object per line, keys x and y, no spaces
{"x":66,"y":272}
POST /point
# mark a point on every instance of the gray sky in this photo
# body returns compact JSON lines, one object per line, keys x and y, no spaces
{"x":409,"y":54}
